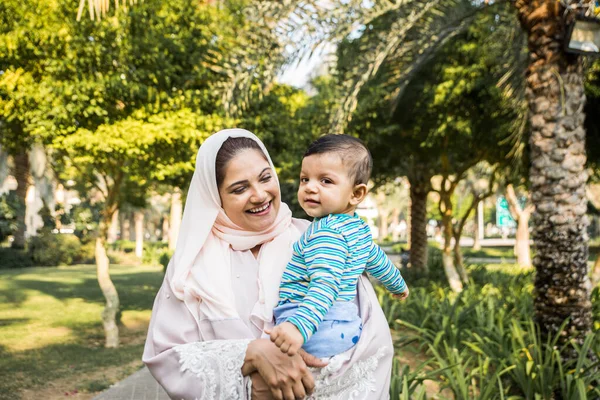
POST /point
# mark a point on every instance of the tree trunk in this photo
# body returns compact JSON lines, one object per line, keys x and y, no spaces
{"x":125,"y":224}
{"x":114,"y":228}
{"x":522,"y":248}
{"x":452,"y":275}
{"x":109,"y":291}
{"x":22,"y":176}
{"x":175,"y":222}
{"x":418,"y":224}
{"x":458,"y":261}
{"x":165,"y":229}
{"x":138,"y":217}
{"x":383,"y":223}
{"x":478,"y":227}
{"x":556,"y":99}
{"x":395,"y":224}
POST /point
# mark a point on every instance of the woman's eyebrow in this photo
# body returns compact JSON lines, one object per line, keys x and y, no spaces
{"x":244,"y":181}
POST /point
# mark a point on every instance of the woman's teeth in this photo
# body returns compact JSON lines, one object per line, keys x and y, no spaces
{"x":259,"y":209}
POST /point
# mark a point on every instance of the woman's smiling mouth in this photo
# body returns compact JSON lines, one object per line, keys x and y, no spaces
{"x":264,"y":209}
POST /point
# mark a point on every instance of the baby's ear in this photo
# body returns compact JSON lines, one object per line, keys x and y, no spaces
{"x":359,"y":193}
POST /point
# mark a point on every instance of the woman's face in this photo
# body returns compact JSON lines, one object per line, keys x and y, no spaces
{"x":249,"y":192}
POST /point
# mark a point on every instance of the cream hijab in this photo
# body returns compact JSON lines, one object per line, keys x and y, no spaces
{"x":200,"y":269}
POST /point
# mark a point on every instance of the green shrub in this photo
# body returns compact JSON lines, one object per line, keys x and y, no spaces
{"x":50,"y":249}
{"x":164,"y":258}
{"x":10,"y":208}
{"x":483,"y":343}
{"x":126,"y":246}
{"x":87,"y":253}
{"x":14,"y":258}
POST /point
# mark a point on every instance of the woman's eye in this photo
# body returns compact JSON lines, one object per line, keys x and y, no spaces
{"x":239,"y":190}
{"x":266,"y":178}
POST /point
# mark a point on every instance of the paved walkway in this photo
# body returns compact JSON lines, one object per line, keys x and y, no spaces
{"x":139,"y":386}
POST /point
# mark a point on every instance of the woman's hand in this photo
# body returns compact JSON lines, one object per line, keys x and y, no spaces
{"x":260,"y":390}
{"x":287,"y":377}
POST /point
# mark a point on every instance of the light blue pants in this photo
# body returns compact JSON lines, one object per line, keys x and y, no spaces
{"x":339,"y":331}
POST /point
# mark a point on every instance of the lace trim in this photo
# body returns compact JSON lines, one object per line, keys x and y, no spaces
{"x":218,"y":365}
{"x":353,"y":384}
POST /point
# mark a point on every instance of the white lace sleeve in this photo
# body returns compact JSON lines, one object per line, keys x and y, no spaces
{"x":218,"y":366}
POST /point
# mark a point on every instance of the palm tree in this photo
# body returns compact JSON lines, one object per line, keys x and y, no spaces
{"x":556,"y":99}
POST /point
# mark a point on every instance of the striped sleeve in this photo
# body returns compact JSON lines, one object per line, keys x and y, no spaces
{"x":380,"y":267}
{"x":325,"y":256}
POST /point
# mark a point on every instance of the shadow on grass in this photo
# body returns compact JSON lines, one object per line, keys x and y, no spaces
{"x":12,"y":321}
{"x":38,"y":367}
{"x":136,"y":290}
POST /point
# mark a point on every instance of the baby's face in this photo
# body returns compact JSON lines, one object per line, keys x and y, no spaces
{"x":325,"y":186}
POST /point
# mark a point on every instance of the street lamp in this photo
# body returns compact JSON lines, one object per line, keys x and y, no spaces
{"x":583,"y":36}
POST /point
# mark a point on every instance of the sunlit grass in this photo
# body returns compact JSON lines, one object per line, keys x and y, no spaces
{"x":50,"y":326}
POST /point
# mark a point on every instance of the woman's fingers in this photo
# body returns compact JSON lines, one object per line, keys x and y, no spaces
{"x":288,"y":393}
{"x":277,"y":393}
{"x":299,"y":390}
{"x":311,"y":361}
{"x":308,"y":382}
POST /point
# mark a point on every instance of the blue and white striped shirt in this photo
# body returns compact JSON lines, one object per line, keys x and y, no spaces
{"x":326,"y":263}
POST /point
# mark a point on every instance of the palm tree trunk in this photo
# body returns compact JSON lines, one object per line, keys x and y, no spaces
{"x":418,"y":224}
{"x":556,"y":99}
{"x":22,"y":176}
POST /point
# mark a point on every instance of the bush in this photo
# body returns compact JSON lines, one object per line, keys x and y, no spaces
{"x":14,"y":258}
{"x":483,"y":344}
{"x":50,"y":249}
{"x":126,"y":246}
{"x":164,"y":259}
{"x":10,"y":208}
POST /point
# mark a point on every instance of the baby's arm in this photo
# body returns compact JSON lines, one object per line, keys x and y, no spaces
{"x":325,"y":256}
{"x":381,"y":268}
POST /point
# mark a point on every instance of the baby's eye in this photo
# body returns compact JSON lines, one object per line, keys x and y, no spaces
{"x":303,"y":180}
{"x":326,"y":180}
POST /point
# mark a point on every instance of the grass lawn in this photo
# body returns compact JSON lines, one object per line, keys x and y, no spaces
{"x":51,"y":335}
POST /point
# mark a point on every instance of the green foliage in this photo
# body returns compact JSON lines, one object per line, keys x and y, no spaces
{"x":483,"y":343}
{"x":48,"y":249}
{"x":85,"y":216}
{"x":10,"y":208}
{"x":14,"y":258}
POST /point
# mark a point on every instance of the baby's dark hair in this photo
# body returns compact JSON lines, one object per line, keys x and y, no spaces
{"x":228,"y":150}
{"x":353,"y":152}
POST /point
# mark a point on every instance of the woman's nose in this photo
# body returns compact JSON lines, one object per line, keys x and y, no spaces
{"x":258,"y":196}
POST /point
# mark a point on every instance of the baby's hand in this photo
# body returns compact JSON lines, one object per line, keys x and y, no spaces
{"x":403,"y":295}
{"x":287,"y":337}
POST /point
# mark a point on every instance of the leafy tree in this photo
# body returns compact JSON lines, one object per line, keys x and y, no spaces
{"x":130,"y":152}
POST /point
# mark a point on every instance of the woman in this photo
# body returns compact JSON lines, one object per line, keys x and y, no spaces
{"x":204,"y":339}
